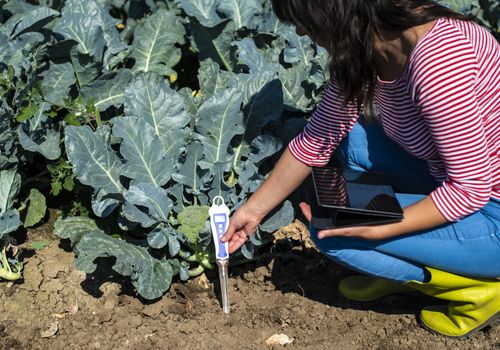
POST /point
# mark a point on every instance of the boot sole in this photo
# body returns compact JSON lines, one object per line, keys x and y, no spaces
{"x":493,"y":320}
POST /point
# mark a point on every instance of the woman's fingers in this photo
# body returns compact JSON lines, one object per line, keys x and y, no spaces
{"x":231,"y":229}
{"x":237,"y":240}
{"x":306,"y":210}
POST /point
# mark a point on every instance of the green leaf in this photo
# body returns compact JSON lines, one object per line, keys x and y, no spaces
{"x":57,"y":82}
{"x":104,"y":203}
{"x":27,"y":112}
{"x":299,"y":49}
{"x":263,"y":108}
{"x":154,"y":43}
{"x":94,"y":163}
{"x":294,"y":92}
{"x":18,"y":6}
{"x":163,"y":236}
{"x":205,"y":11}
{"x":151,"y":277}
{"x":212,"y":79}
{"x":250,"y":55}
{"x":145,"y":157}
{"x":154,"y":199}
{"x":108,"y":90}
{"x":264,"y":146}
{"x":9,"y":222}
{"x":149,"y":98}
{"x":83,"y":29}
{"x":189,"y":173}
{"x":270,"y":23}
{"x":219,"y":120}
{"x":242,"y":12}
{"x":31,"y":20}
{"x":36,"y":209}
{"x":8,"y":140}
{"x":74,"y":228}
{"x":215,"y":43}
{"x":40,"y":245}
{"x":86,"y":69}
{"x":278,"y":218}
{"x":10,"y":183}
{"x":37,"y":134}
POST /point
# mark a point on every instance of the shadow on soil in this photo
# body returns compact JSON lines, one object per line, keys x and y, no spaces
{"x":311,"y":275}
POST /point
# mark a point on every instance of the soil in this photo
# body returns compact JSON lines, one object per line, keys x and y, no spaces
{"x":59,"y":307}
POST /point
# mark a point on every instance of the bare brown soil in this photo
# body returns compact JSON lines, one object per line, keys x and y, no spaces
{"x":58,"y":307}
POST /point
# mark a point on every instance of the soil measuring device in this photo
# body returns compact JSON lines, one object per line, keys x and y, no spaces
{"x":219,"y":221}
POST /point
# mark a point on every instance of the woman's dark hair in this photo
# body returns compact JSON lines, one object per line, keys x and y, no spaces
{"x":347,"y":27}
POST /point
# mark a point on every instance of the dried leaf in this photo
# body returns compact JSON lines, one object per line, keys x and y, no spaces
{"x":73,"y":309}
{"x":279,"y":339}
{"x":54,"y":327}
{"x":59,"y":316}
{"x":203,"y":282}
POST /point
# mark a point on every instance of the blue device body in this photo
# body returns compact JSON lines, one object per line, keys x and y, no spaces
{"x":221,"y":221}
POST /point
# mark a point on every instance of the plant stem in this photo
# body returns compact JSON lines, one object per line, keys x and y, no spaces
{"x":196,"y":271}
{"x":31,"y":179}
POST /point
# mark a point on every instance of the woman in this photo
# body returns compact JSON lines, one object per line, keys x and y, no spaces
{"x":430,"y":78}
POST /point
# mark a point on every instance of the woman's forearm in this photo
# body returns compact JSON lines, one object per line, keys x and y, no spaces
{"x":419,"y":216}
{"x":286,"y":176}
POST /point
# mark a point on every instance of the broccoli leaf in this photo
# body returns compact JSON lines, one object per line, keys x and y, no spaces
{"x":148,"y":97}
{"x":74,"y":228}
{"x":151,"y":277}
{"x":36,"y":209}
{"x":94,"y":163}
{"x":145,"y":157}
{"x":154,"y":43}
{"x":10,"y":183}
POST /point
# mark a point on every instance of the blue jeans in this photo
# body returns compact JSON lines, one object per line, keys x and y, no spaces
{"x":469,"y":247}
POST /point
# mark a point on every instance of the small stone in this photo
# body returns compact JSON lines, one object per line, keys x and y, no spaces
{"x":152,"y":310}
{"x":135,"y":321}
{"x":105,"y":317}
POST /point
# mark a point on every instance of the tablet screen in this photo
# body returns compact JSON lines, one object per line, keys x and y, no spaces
{"x":367,"y":191}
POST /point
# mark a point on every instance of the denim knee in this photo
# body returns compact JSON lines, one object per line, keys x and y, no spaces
{"x":352,"y":151}
{"x":328,"y":246}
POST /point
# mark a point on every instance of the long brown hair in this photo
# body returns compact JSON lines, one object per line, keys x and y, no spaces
{"x":347,"y":27}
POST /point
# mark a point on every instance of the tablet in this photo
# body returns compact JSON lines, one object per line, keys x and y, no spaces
{"x":352,"y":198}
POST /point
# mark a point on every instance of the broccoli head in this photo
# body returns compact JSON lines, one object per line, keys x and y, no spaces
{"x":192,"y":222}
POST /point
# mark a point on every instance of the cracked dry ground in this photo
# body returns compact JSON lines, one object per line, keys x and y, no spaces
{"x":58,"y":307}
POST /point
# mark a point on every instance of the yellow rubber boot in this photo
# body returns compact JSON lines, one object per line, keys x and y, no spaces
{"x":367,"y":288}
{"x":474,"y":303}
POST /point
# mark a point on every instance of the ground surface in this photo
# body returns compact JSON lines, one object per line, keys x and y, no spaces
{"x":58,"y":307}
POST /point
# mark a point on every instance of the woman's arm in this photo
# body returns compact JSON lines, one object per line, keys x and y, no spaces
{"x":313,"y":147}
{"x":286,"y":176}
{"x":417,"y":217}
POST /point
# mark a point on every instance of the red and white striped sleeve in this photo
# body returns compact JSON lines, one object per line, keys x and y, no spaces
{"x":443,"y":88}
{"x":327,"y":127}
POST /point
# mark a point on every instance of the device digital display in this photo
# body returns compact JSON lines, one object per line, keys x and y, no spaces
{"x":219,"y":218}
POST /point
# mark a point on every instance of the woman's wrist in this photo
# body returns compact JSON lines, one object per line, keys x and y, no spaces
{"x":256,"y":209}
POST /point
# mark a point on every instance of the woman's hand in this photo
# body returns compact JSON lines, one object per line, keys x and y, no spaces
{"x":419,"y":216}
{"x":365,"y":232}
{"x":242,"y":224}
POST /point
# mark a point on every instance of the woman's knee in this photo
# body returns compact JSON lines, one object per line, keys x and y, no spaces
{"x":352,"y":151}
{"x":335,"y":248}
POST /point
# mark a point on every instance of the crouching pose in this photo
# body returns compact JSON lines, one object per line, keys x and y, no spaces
{"x":429,"y":81}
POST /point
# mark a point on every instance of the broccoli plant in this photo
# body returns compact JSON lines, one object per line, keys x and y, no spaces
{"x":10,"y":183}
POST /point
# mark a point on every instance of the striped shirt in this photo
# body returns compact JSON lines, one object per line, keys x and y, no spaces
{"x":444,"y":108}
